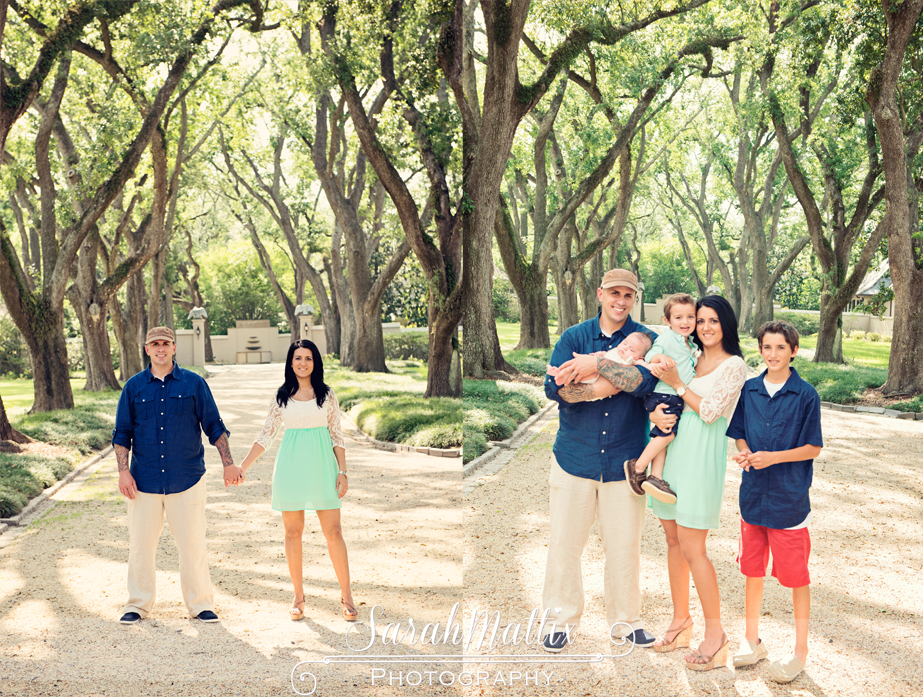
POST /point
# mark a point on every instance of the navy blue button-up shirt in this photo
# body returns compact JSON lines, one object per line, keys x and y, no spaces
{"x":162,"y":421}
{"x":777,"y":496}
{"x":595,"y":438}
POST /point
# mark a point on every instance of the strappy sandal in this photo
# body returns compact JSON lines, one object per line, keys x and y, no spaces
{"x":680,"y":639}
{"x":718,"y":659}
{"x":294,"y":613}
{"x":350,"y":614}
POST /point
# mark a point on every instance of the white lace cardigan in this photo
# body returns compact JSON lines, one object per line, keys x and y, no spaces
{"x":720,"y":390}
{"x":303,"y":415}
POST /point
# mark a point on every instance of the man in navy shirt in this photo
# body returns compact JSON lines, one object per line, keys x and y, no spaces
{"x":160,"y":418}
{"x":601,"y":424}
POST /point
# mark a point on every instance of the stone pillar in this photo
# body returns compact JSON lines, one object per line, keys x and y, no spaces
{"x":198,"y":342}
{"x":305,"y":322}
{"x":637,"y":310}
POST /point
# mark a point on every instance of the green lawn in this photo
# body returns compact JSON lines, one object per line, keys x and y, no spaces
{"x":874,"y":354}
{"x":494,"y":409}
{"x":394,"y":409}
{"x":508,"y":333}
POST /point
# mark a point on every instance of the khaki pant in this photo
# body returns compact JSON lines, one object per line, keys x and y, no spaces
{"x":575,"y":504}
{"x":185,"y":512}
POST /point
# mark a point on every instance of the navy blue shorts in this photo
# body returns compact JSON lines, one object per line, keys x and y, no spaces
{"x":675,"y":405}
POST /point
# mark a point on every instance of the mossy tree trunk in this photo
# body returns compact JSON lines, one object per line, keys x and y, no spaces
{"x":905,"y":249}
{"x":10,"y":438}
{"x":439,"y":254}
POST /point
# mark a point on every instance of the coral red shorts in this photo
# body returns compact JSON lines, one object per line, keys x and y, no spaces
{"x":790,"y":551}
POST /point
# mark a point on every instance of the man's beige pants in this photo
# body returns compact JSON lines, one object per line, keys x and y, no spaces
{"x":185,"y":512}
{"x":575,"y":504}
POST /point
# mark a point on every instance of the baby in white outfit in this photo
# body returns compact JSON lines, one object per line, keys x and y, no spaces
{"x":630,"y":352}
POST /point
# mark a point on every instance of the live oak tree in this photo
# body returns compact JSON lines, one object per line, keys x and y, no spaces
{"x":37,"y":307}
{"x":843,"y":145}
{"x":887,"y":83}
{"x":490,"y":123}
{"x":406,"y":35}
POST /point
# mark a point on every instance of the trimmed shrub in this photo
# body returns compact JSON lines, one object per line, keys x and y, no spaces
{"x":402,"y":346}
{"x":440,"y":436}
{"x":915,"y":405}
{"x":474,"y":445}
{"x":807,"y":325}
{"x":86,"y":428}
{"x":11,"y":502}
{"x":23,"y":477}
{"x":397,"y":419}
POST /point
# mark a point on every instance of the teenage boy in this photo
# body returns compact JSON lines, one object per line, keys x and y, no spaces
{"x":777,"y":429}
{"x":676,"y":343}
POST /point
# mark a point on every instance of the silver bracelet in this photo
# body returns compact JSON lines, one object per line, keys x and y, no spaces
{"x":343,"y":473}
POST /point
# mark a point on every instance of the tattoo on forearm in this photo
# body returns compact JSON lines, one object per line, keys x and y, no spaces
{"x":625,"y":377}
{"x":121,"y":457}
{"x":224,"y":449}
{"x":577,"y":392}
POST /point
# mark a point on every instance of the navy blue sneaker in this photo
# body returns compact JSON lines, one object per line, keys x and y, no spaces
{"x":642,"y":638}
{"x":554,"y":642}
{"x":207,"y":616}
{"x":130,"y":618}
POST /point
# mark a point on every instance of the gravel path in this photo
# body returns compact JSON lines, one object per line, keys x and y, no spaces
{"x":62,"y":578}
{"x":866,"y":563}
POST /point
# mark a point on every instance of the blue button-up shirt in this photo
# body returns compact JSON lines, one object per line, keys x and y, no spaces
{"x":595,"y":438}
{"x":162,"y":421}
{"x":777,"y":496}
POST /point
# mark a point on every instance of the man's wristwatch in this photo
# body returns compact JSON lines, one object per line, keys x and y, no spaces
{"x":343,"y":473}
{"x":681,"y":390}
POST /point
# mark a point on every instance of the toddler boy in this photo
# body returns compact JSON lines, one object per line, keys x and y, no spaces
{"x":675,"y":343}
{"x":777,"y":429}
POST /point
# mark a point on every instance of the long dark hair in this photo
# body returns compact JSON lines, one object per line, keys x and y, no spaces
{"x":730,"y":340}
{"x":290,"y":386}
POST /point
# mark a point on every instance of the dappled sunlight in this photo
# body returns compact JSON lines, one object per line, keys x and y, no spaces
{"x":865,"y":559}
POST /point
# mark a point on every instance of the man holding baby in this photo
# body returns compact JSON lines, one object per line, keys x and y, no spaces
{"x":602,"y":424}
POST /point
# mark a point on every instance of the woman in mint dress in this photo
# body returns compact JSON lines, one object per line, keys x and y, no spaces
{"x":310,"y":467}
{"x":695,"y":467}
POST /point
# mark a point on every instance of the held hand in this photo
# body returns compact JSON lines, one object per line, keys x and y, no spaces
{"x":760,"y":460}
{"x":552,"y":370}
{"x":342,"y":485}
{"x":232,"y":475}
{"x":665,"y":422}
{"x":741,"y":459}
{"x":578,"y":368}
{"x":127,"y":486}
{"x":655,"y":368}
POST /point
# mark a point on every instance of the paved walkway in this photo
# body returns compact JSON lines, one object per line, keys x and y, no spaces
{"x":866,"y":563}
{"x":62,"y":578}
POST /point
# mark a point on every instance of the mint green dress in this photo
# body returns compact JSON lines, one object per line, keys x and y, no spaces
{"x":697,"y":460}
{"x":304,"y":477}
